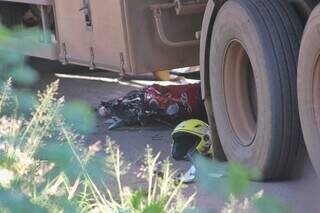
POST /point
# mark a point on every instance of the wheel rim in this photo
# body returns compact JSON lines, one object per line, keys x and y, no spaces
{"x":240,"y":93}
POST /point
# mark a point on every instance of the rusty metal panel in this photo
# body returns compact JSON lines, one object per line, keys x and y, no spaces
{"x":108,"y":35}
{"x":125,"y":35}
{"x":148,"y":53}
{"x":74,"y":36}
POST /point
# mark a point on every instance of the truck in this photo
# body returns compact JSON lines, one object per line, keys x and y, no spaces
{"x":259,"y":63}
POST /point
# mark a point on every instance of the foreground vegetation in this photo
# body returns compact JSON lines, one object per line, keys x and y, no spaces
{"x":44,"y":166}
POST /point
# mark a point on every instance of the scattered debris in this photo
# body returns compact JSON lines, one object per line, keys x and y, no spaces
{"x":216,"y":175}
{"x":167,"y":104}
{"x":188,"y":177}
{"x":115,"y":122}
{"x":171,"y":104}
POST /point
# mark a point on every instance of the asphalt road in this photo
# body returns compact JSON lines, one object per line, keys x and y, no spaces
{"x":302,"y":194}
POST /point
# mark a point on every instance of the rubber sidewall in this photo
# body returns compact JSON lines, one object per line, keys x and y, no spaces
{"x":240,"y":20}
{"x":309,"y":54}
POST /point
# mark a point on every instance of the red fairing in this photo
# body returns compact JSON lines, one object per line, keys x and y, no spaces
{"x":186,"y":96}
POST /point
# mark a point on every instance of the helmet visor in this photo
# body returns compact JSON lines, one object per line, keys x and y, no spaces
{"x":183,"y":143}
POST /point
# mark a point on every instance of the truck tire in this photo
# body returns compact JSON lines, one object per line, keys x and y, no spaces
{"x":253,"y":59}
{"x":309,"y":87}
{"x":11,"y":13}
{"x":218,"y":152}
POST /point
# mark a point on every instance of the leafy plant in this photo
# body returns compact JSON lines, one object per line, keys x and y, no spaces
{"x":45,"y":164}
{"x":232,"y":183}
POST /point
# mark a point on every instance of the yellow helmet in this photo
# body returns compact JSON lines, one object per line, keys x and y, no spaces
{"x":191,"y":134}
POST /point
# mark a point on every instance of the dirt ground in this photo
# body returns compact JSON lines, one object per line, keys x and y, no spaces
{"x":78,"y":83}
